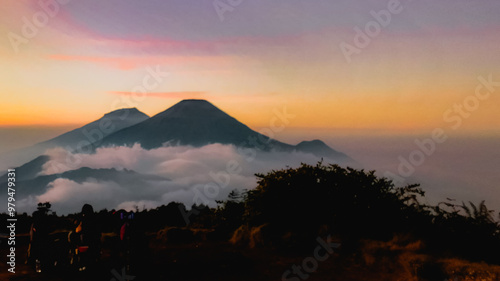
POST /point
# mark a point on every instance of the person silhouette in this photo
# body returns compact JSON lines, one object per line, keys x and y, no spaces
{"x":85,"y":238}
{"x":39,"y":239}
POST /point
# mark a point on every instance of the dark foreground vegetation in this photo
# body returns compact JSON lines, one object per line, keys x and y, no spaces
{"x":276,"y":232}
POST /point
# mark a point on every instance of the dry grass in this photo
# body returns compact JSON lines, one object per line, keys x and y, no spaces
{"x":251,"y":237}
{"x":406,"y":259}
{"x":241,"y":236}
{"x":465,"y":270}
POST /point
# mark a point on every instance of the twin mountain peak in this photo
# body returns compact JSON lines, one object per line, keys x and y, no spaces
{"x":190,"y":122}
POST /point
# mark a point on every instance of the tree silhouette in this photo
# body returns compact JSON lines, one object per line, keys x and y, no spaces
{"x":44,"y":207}
{"x":479,"y":213}
{"x":351,"y":203}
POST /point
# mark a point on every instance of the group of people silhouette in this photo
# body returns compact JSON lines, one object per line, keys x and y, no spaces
{"x":83,"y":243}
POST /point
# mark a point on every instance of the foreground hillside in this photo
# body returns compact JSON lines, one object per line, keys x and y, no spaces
{"x":216,"y":260}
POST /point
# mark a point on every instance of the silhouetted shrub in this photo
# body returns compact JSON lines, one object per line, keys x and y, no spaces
{"x":351,"y":203}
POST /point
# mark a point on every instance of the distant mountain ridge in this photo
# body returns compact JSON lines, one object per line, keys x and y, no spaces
{"x":29,"y":170}
{"x":198,"y":123}
{"x":34,"y":186}
{"x":319,"y":148}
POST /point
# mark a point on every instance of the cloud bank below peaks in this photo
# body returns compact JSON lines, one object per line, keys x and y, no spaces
{"x":196,"y":175}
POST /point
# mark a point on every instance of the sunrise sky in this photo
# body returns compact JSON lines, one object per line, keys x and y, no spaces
{"x":262,"y":55}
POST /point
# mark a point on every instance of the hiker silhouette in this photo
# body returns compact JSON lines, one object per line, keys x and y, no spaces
{"x":85,"y":238}
{"x":39,"y":238}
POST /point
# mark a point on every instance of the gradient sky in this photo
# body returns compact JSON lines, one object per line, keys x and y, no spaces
{"x":263,"y":55}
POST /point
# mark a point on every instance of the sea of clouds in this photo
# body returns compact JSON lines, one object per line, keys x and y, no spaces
{"x":190,"y":175}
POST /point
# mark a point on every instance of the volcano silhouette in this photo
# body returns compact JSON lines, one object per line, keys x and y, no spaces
{"x":192,"y":122}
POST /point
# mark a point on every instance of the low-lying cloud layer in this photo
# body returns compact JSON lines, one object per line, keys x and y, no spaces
{"x":192,"y":175}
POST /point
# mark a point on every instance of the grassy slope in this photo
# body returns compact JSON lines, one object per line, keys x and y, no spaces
{"x":210,"y":260}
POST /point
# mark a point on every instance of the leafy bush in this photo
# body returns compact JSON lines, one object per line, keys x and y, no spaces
{"x":351,"y":203}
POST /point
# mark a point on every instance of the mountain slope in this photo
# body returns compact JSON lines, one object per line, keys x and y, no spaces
{"x":97,"y":130}
{"x":29,"y":170}
{"x":77,"y":138}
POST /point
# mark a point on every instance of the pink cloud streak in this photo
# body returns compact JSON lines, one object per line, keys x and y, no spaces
{"x":176,"y":95}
